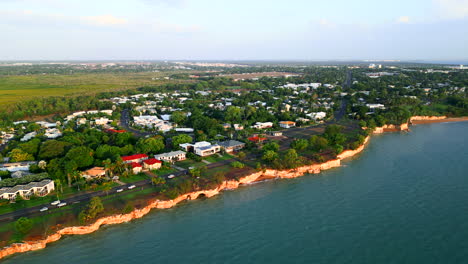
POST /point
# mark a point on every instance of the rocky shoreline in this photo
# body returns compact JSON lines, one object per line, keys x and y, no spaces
{"x":226,"y":185}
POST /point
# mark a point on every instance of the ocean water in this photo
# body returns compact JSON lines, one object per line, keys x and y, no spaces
{"x":403,"y":200}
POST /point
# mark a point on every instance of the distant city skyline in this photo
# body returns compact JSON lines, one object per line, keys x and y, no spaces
{"x":429,"y":30}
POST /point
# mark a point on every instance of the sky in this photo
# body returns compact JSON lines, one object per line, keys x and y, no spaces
{"x":233,"y":30}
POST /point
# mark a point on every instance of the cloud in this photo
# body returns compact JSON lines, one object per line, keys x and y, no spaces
{"x":403,"y":19}
{"x":105,"y":20}
{"x":169,"y":3}
{"x":452,"y":9}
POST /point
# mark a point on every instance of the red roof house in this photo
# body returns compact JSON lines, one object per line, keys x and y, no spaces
{"x":152,"y":164}
{"x":257,"y":139}
{"x":135,"y":158}
{"x":136,"y":167}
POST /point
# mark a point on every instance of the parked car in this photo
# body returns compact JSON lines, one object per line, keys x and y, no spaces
{"x":61,"y":204}
{"x":43,"y":209}
{"x":131,"y":187}
{"x":171,"y":176}
{"x":119,"y":190}
{"x":55,"y":202}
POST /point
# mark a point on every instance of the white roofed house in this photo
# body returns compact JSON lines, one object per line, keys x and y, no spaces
{"x":41,"y":188}
{"x":102,"y":121}
{"x":207,"y":150}
{"x":172,"y":156}
{"x":28,"y":136}
{"x":52,"y":133}
{"x":191,"y":147}
{"x":231,"y":145}
{"x":376,"y":106}
{"x":317,"y":115}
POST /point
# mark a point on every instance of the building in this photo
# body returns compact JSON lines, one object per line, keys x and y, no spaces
{"x":134,"y":158}
{"x":102,"y":121}
{"x":172,"y":156}
{"x":93,"y":173}
{"x":231,"y":145}
{"x":276,"y":133}
{"x":376,"y":106}
{"x":52,"y":133}
{"x":238,"y":127}
{"x":152,"y":164}
{"x":41,"y":188}
{"x":17,"y":166}
{"x":287,"y":124}
{"x":317,"y":115}
{"x":28,"y":136}
{"x":257,"y":139}
{"x":262,"y":125}
{"x":191,"y":147}
{"x":136,"y":167}
{"x":207,"y":150}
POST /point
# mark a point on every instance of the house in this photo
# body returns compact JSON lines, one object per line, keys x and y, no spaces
{"x":44,"y":124}
{"x":276,"y":133}
{"x":191,"y":147}
{"x":16,"y":166}
{"x":262,"y":125}
{"x":52,"y":133}
{"x":111,"y":130}
{"x":28,"y":136}
{"x":41,"y":188}
{"x":102,"y":121}
{"x":136,"y":167}
{"x":20,"y":174}
{"x":231,"y":145}
{"x":95,"y":172}
{"x":172,"y":156}
{"x":287,"y":124}
{"x":317,"y":115}
{"x":238,"y":127}
{"x":152,"y":164}
{"x":376,"y":106}
{"x":207,"y":150}
{"x":257,"y":139}
{"x":134,"y":158}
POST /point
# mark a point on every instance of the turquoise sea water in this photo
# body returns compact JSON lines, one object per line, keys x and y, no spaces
{"x":403,"y":200}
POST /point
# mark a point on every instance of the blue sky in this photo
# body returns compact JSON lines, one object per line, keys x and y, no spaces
{"x":233,"y":30}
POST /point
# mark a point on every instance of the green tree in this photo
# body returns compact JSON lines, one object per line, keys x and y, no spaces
{"x":270,"y":156}
{"x":237,"y":164}
{"x":17,"y":155}
{"x":291,"y":159}
{"x":178,"y":117}
{"x":52,"y":149}
{"x":273,"y":146}
{"x":150,"y":145}
{"x":82,"y":156}
{"x":23,"y":225}
{"x":300,"y":144}
{"x":180,"y":139}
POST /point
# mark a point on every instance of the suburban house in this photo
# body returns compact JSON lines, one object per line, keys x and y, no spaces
{"x":231,"y":145}
{"x":257,"y":139}
{"x":102,"y":121}
{"x":172,"y":156}
{"x":93,"y":173}
{"x":152,"y":164}
{"x":52,"y":133}
{"x":287,"y":124}
{"x":276,"y":133}
{"x":207,"y":150}
{"x":317,"y":115}
{"x":28,"y":136}
{"x":191,"y":147}
{"x":262,"y":125}
{"x":17,"y":166}
{"x":136,"y":167}
{"x":238,"y":127}
{"x":41,"y":188}
{"x":137,"y":158}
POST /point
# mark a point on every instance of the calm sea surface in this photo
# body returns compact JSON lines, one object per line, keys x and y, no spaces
{"x":404,"y":200}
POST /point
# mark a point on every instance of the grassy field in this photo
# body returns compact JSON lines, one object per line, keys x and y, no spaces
{"x":17,"y":88}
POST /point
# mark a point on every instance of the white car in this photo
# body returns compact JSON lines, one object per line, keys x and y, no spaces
{"x":43,"y":209}
{"x":55,"y":202}
{"x":171,"y":176}
{"x":119,"y":190}
{"x":61,"y":204}
{"x":131,"y":187}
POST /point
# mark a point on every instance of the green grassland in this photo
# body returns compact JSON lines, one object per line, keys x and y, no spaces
{"x":23,"y":87}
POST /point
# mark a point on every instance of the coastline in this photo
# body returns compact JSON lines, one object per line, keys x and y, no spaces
{"x":226,"y":185}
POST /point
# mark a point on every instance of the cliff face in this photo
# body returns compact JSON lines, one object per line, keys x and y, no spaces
{"x":391,"y":128}
{"x":138,"y":213}
{"x":422,"y":118}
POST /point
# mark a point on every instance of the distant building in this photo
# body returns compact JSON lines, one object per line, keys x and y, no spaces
{"x":262,"y":125}
{"x":136,"y":167}
{"x":276,"y":133}
{"x":207,"y":150}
